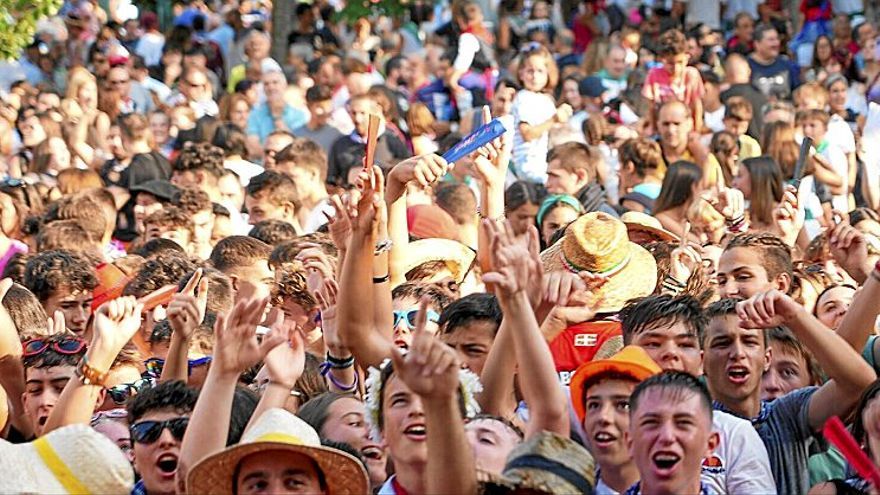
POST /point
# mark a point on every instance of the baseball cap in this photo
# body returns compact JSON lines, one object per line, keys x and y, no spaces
{"x":591,"y":87}
{"x":162,"y":189}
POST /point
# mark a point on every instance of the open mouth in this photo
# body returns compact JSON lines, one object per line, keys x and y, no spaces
{"x":417,"y":433}
{"x":372,"y":453}
{"x":603,"y":439}
{"x":42,"y":420}
{"x":665,"y":461}
{"x":738,"y":374}
{"x":401,"y":344}
{"x":167,"y":464}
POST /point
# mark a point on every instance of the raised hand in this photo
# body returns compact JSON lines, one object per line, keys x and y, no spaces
{"x":684,"y":259}
{"x":510,"y":260}
{"x":491,"y":161}
{"x":284,"y":362}
{"x":338,"y":225}
{"x":425,"y":170}
{"x":767,"y":310}
{"x":366,"y":206}
{"x":10,"y":344}
{"x":789,"y":216}
{"x":430,"y":367}
{"x":326,"y":297}
{"x":850,"y":250}
{"x":116,"y":322}
{"x":563,"y":113}
{"x":729,"y":202}
{"x":55,"y":324}
{"x":187,"y":308}
{"x":236,"y":347}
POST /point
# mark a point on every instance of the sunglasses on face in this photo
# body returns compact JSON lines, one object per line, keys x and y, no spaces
{"x":410,"y":317}
{"x":155,"y":365}
{"x":122,"y":392}
{"x":147,"y":432}
{"x":68,"y":346}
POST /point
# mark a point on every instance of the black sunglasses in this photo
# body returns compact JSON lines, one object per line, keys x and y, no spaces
{"x":147,"y":432}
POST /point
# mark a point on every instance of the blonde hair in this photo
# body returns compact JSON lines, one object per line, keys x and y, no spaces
{"x":80,"y":77}
{"x":594,"y":57}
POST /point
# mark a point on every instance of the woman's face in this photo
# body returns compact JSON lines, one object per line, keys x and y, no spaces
{"x":60,"y":155}
{"x":823,"y":49}
{"x":32,"y":132}
{"x":522,"y":217}
{"x":743,"y":182}
{"x":832,"y":306}
{"x":571,"y":94}
{"x":492,"y":441}
{"x":239,"y":114}
{"x":554,"y":220}
{"x":837,"y":96}
{"x":88,"y":95}
{"x":346,"y":423}
{"x":160,"y":125}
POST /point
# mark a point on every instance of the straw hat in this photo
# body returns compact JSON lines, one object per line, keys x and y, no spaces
{"x":631,"y":361}
{"x":457,"y":256}
{"x":73,"y":459}
{"x":598,"y":243}
{"x":546,"y":463}
{"x":279,"y":430}
{"x":643,"y":228}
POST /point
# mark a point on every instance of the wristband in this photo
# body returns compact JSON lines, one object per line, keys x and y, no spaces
{"x":339,"y":363}
{"x":383,"y":247}
{"x":90,"y":376}
{"x":382,"y":280}
{"x":341,"y":386}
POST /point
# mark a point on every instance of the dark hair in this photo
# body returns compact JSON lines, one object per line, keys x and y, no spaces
{"x":191,"y":201}
{"x":155,"y":247}
{"x":522,"y":192}
{"x":238,"y":250}
{"x":861,"y":214}
{"x":165,"y":269}
{"x":319,"y":93}
{"x":775,"y":254}
{"x":385,"y":373}
{"x":273,"y":232}
{"x":723,"y":146}
{"x":172,"y":395}
{"x":789,"y":340}
{"x":50,"y":357}
{"x":15,"y":267}
{"x":50,"y":271}
{"x":316,"y":411}
{"x":683,"y":384}
{"x":468,"y":309}
{"x":303,"y":153}
{"x":767,"y":187}
{"x":458,"y":200}
{"x":244,"y":403}
{"x":170,"y":218}
{"x":727,"y":307}
{"x":25,"y":310}
{"x":65,"y":234}
{"x":440,"y":297}
{"x":644,"y":154}
{"x":671,"y":43}
{"x":231,"y":139}
{"x":279,"y":188}
{"x":677,"y":187}
{"x":220,"y":292}
{"x":859,"y":430}
{"x":664,"y":310}
{"x":761,"y":30}
{"x":161,"y":332}
{"x":202,"y":157}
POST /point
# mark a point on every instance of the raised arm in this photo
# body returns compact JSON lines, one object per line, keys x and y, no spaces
{"x":490,"y":164}
{"x":11,"y":367}
{"x":185,"y":313}
{"x":539,"y":383}
{"x":116,"y":321}
{"x":284,"y":364}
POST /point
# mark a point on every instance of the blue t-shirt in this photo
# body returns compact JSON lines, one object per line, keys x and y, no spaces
{"x":777,"y":79}
{"x":261,"y":123}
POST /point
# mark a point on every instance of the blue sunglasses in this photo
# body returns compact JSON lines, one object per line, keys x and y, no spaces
{"x":410,"y":317}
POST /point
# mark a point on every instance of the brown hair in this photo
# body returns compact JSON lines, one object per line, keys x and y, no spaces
{"x":84,"y":210}
{"x":738,"y":108}
{"x":170,"y":218}
{"x":419,"y":119}
{"x":671,"y":43}
{"x":304,"y":153}
{"x":228,"y":102}
{"x":775,"y":253}
{"x":779,"y":144}
{"x":723,"y":146}
{"x":575,"y":156}
{"x":191,"y":201}
{"x":25,"y":311}
{"x":135,"y":127}
{"x":65,"y":234}
{"x":73,"y":180}
{"x":644,"y":154}
{"x":552,"y":68}
{"x":237,"y":251}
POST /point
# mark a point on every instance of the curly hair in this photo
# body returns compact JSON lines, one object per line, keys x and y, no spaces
{"x":671,"y":43}
{"x":278,"y":187}
{"x":52,"y":271}
{"x":65,"y":234}
{"x":170,"y":218}
{"x":26,"y":312}
{"x":273,"y":232}
{"x":87,"y":212}
{"x":165,"y":269}
{"x":191,"y":201}
{"x":291,"y":285}
{"x":200,"y":157}
{"x":166,"y":396}
{"x":51,"y":358}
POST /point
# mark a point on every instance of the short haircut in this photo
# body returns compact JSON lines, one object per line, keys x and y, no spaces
{"x":170,"y":218}
{"x":134,"y":127}
{"x":471,"y":308}
{"x":273,"y":232}
{"x":85,"y":210}
{"x":287,"y":251}
{"x":789,"y":341}
{"x":15,"y":267}
{"x":65,"y":234}
{"x":678,"y":382}
{"x":575,"y":156}
{"x":663,"y":310}
{"x":165,"y":269}
{"x":191,"y":201}
{"x":738,"y":108}
{"x":304,"y":153}
{"x":50,"y":357}
{"x":318,"y":93}
{"x":440,"y":297}
{"x":459,"y":201}
{"x":48,"y":272}
{"x":775,"y":254}
{"x":220,"y":292}
{"x":155,"y":247}
{"x":238,"y":251}
{"x":726,"y":307}
{"x":165,"y":396}
{"x":671,"y":43}
{"x":231,"y":139}
{"x":26,"y":312}
{"x":761,"y":30}
{"x":278,"y":187}
{"x":814,"y":114}
{"x":201,"y":157}
{"x":811,"y":89}
{"x":291,"y":285}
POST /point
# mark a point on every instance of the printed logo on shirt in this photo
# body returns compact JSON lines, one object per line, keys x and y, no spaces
{"x":586,"y":340}
{"x":565,"y":377}
{"x":713,"y":465}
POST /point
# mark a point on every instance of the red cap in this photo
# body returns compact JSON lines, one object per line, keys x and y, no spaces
{"x":430,"y":222}
{"x":111,"y":282}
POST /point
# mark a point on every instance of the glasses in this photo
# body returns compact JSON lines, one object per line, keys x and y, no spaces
{"x":147,"y":432}
{"x":409,"y":317}
{"x":154,"y":366}
{"x":122,"y":392}
{"x":67,"y":346}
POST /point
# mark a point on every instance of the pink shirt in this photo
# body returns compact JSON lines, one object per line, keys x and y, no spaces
{"x":659,"y":88}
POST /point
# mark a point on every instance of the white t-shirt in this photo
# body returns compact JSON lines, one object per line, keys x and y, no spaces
{"x":468,"y":46}
{"x":244,"y":169}
{"x":150,"y":47}
{"x":715,"y":120}
{"x":530,"y":157}
{"x":837,"y":158}
{"x":740,"y":464}
{"x":701,"y":11}
{"x":840,"y":134}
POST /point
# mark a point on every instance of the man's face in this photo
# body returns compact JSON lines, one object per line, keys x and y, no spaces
{"x":274,"y":85}
{"x":788,"y":371}
{"x":768,"y":46}
{"x":402,"y":334}
{"x":156,"y":462}
{"x":674,"y":125}
{"x":279,"y":472}
{"x":502,"y":101}
{"x":75,"y":305}
{"x":346,"y":423}
{"x":230,"y":193}
{"x":254,"y":281}
{"x":42,"y":388}
{"x":674,"y":347}
{"x":403,"y":426}
{"x":492,"y":441}
{"x":360,"y":111}
{"x":321,"y":111}
{"x":615,"y":64}
{"x":179,"y":235}
{"x":736,"y":126}
{"x":561,"y":181}
{"x":260,"y":208}
{"x":741,"y":274}
{"x":195,"y":86}
{"x":607,"y":421}
{"x":745,"y":28}
{"x":472,"y":341}
{"x":203,"y":226}
{"x":670,"y":435}
{"x":272,"y":146}
{"x":145,"y":205}
{"x":119,"y":79}
{"x":306,"y":181}
{"x":735,"y":360}
{"x":814,"y":129}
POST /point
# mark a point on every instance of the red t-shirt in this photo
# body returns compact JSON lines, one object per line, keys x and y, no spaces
{"x":579,"y":344}
{"x":659,"y":88}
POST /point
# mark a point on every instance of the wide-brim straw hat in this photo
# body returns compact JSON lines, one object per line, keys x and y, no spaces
{"x":457,"y":256}
{"x":278,"y":430}
{"x":72,"y":459}
{"x":546,"y":463}
{"x":598,"y":243}
{"x":631,"y":361}
{"x":643,"y":227}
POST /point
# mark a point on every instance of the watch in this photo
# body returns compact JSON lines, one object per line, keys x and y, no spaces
{"x":88,"y":375}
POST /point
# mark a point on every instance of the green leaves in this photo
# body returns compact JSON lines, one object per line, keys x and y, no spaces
{"x":18,"y":23}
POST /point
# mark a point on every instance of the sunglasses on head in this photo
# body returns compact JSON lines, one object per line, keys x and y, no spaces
{"x":147,"y":432}
{"x":410,"y":316}
{"x":154,"y":365}
{"x":122,"y":392}
{"x":111,"y":414}
{"x":68,"y":346}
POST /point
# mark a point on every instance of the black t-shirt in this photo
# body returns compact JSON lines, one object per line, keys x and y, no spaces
{"x":346,"y":153}
{"x":758,"y":101}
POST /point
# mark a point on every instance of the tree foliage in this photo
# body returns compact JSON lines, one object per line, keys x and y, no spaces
{"x":356,"y":9}
{"x":18,"y":23}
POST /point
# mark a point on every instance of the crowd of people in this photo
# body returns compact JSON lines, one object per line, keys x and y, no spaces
{"x":662,"y":278}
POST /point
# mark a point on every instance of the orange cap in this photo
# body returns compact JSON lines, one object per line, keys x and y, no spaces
{"x":111,"y":282}
{"x":632,"y":361}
